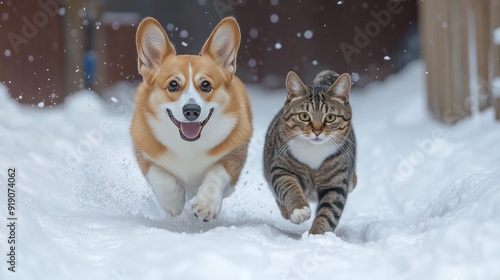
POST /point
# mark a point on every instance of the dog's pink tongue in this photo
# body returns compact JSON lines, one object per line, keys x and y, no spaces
{"x":191,"y":129}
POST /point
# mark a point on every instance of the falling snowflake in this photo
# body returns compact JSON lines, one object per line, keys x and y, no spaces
{"x":115,"y":25}
{"x":252,"y":62}
{"x":308,"y":34}
{"x":275,"y":18}
{"x":355,"y":77}
{"x":254,"y":32}
{"x":184,"y":34}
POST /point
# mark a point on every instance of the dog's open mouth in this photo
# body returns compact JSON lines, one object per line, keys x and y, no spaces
{"x":190,"y":131}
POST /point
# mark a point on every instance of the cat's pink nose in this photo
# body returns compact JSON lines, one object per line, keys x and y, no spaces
{"x":317,"y":132}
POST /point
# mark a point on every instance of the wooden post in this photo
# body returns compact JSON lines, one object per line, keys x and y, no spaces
{"x":497,"y":108}
{"x":482,"y":12}
{"x":494,"y":25}
{"x":73,"y":40}
{"x":444,"y":24}
{"x":495,"y":53}
{"x":461,"y":79}
{"x":427,"y":43}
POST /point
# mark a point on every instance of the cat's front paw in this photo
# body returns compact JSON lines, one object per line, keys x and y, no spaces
{"x":206,"y":207}
{"x":300,"y":215}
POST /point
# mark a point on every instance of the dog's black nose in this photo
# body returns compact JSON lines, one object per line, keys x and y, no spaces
{"x":191,"y":111}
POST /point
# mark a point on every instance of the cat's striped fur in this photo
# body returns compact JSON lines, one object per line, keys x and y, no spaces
{"x":312,"y":157}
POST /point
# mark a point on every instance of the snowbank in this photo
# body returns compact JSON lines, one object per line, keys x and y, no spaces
{"x":426,"y":206}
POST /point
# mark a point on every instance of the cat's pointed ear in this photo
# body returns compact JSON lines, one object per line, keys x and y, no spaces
{"x":153,"y":47}
{"x":341,"y":88}
{"x":294,"y":86}
{"x":223,"y":44}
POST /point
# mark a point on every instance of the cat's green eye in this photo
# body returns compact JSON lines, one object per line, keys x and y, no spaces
{"x":330,"y":118}
{"x":304,"y":117}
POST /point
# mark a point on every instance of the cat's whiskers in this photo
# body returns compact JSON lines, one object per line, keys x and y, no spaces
{"x":344,"y":149}
{"x":290,"y":141}
{"x":301,"y":142}
{"x":333,"y":142}
{"x":349,"y":152}
{"x":347,"y":147}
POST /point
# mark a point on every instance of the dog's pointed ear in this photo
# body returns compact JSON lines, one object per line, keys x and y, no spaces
{"x":223,"y":44}
{"x":341,"y":87}
{"x":294,"y":86}
{"x":153,"y":47}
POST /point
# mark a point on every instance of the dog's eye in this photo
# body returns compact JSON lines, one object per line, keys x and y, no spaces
{"x":173,"y":86}
{"x":206,"y":86}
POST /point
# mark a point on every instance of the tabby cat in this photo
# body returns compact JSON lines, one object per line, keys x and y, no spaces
{"x":310,"y":150}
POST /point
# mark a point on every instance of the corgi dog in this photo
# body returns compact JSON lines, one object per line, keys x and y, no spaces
{"x":192,"y":121}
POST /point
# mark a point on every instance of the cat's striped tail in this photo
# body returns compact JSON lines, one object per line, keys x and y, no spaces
{"x":326,"y":78}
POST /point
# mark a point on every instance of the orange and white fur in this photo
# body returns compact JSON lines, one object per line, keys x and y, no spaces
{"x":192,"y":121}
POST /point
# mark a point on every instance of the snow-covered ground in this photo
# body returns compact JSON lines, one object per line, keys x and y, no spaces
{"x":427,"y":205}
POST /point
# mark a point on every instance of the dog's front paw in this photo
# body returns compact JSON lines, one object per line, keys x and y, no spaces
{"x":174,"y":208}
{"x":172,"y":202}
{"x":206,"y":207}
{"x":300,"y":215}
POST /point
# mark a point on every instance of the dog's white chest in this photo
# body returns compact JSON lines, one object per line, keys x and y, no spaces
{"x":189,"y":168}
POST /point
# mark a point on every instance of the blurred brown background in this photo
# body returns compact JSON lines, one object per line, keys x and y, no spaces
{"x":60,"y":46}
{"x":51,"y":48}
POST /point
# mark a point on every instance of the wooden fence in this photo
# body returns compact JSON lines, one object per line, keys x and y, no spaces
{"x":462,"y":56}
{"x":49,"y":50}
{"x":63,"y":46}
{"x":33,"y":61}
